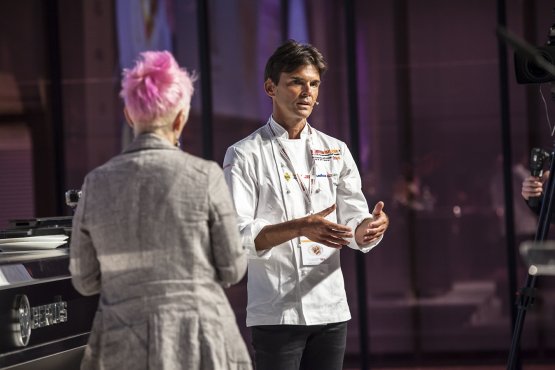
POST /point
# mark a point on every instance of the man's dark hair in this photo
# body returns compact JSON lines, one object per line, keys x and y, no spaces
{"x":290,"y":56}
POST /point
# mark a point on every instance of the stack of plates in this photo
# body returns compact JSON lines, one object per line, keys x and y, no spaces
{"x":33,"y":242}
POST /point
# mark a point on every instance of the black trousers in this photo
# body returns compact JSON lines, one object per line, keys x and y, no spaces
{"x":294,"y":347}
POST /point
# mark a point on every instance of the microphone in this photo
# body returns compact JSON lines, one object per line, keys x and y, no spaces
{"x":316,"y":103}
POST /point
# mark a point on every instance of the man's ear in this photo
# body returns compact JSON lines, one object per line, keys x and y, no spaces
{"x":128,"y":119}
{"x":269,"y":87}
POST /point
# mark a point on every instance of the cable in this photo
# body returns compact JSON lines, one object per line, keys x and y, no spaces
{"x":552,"y":130}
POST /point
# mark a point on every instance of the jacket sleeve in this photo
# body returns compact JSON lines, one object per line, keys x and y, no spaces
{"x":242,"y":183}
{"x":83,"y":262}
{"x":228,"y":253}
{"x":352,"y":207}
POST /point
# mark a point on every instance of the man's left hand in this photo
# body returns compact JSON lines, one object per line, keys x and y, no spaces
{"x":370,"y":230}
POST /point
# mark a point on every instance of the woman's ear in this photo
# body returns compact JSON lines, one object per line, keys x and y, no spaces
{"x":179,"y":121}
{"x":128,"y":119}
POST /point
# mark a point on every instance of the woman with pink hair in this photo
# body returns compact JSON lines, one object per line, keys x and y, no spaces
{"x":155,"y":235}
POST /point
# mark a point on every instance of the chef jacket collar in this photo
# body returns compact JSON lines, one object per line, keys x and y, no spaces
{"x":282,"y":133}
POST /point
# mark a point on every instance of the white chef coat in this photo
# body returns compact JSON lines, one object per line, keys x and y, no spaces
{"x":281,"y":290}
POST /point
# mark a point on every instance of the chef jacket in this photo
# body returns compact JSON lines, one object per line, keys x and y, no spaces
{"x":265,"y":191}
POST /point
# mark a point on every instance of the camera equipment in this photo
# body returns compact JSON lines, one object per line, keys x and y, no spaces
{"x":542,"y":70}
{"x":528,"y":72}
{"x":526,"y":296}
{"x":538,"y":157}
{"x":529,"y":55}
{"x":537,"y":160}
{"x":72,"y":198}
{"x":527,"y":69}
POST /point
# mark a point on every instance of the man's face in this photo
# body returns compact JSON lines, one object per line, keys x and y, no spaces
{"x":295,"y":95}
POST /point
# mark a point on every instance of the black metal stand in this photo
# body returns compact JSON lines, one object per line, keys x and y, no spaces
{"x":526,"y":295}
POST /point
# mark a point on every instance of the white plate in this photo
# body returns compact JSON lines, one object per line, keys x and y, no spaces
{"x":40,"y":238}
{"x":25,"y":246}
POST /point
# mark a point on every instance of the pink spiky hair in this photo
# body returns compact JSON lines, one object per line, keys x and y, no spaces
{"x":155,"y":87}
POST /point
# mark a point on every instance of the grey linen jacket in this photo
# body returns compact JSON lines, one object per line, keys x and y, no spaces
{"x":155,"y":234}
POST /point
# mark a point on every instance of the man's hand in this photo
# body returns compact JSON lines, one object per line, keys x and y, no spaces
{"x":316,"y":228}
{"x":532,"y":186}
{"x":370,"y":230}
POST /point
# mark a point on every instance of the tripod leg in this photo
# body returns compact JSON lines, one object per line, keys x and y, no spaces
{"x":526,"y":296}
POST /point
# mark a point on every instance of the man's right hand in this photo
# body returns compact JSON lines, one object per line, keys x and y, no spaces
{"x":532,"y":186}
{"x":316,"y":228}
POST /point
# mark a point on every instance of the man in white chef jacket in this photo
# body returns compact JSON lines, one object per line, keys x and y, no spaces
{"x":297,"y":192}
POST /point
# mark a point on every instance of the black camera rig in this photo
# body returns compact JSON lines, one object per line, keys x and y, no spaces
{"x":528,"y":71}
{"x":538,"y":158}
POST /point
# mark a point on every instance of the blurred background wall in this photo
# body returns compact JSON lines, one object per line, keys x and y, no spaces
{"x":417,"y":87}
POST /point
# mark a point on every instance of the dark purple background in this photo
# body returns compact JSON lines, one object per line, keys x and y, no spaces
{"x":430,"y":121}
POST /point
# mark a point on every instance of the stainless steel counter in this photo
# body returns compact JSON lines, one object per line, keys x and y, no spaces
{"x":44,"y":321}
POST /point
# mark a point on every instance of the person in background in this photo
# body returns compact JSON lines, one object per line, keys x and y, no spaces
{"x":297,"y":192}
{"x":525,"y":222}
{"x":155,"y":233}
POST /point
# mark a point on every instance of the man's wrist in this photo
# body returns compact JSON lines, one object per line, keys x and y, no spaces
{"x":298,"y":226}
